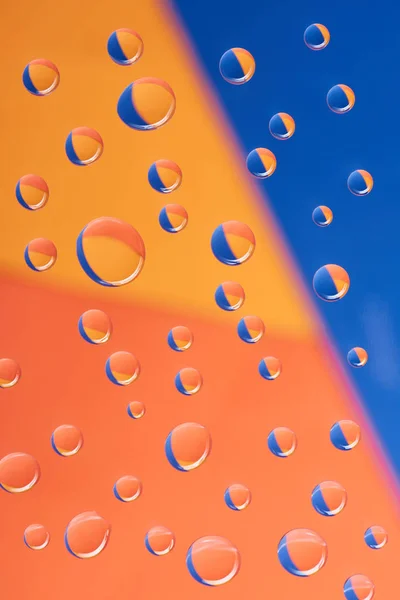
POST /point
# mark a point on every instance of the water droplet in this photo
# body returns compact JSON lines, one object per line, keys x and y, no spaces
{"x":282,"y":442}
{"x":213,"y":560}
{"x":187,"y":446}
{"x":36,"y":537}
{"x":261,"y":163}
{"x":32,"y":192}
{"x":376,"y":537}
{"x":229,"y":296}
{"x":125,"y":46}
{"x":159,"y":540}
{"x":173,"y":218}
{"x":233,"y":243}
{"x":40,"y":77}
{"x":127,"y":488}
{"x":251,"y":329}
{"x":136,"y":409}
{"x":84,"y":146}
{"x":164,"y":176}
{"x":340,"y":99}
{"x":329,"y":498}
{"x":282,"y":126}
{"x":147,"y":103}
{"x":237,"y":66}
{"x":331,"y":283}
{"x":180,"y":338}
{"x":358,"y":587}
{"x":360,"y":182}
{"x":345,"y":435}
{"x":87,"y":535}
{"x":188,"y":381}
{"x":316,"y":36}
{"x":302,"y":552}
{"x":67,"y":440}
{"x":110,"y":251}
{"x":122,"y":368}
{"x":40,"y":254}
{"x":19,"y":472}
{"x":237,"y":496}
{"x":95,"y":326}
{"x":357,"y":357}
{"x":270,"y":367}
{"x":10,"y":373}
{"x":322,"y":216}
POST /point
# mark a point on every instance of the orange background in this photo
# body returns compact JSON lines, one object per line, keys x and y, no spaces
{"x":63,"y":378}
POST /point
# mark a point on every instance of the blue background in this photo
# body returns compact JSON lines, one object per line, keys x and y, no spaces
{"x":313,"y":166}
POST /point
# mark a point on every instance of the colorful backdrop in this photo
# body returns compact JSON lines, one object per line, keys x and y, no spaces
{"x":63,"y":378}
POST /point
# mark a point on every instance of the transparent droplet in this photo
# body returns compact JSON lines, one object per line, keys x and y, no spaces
{"x":87,"y":535}
{"x":329,"y":498}
{"x":316,"y":36}
{"x":331,"y":283}
{"x":302,"y":552}
{"x":147,"y":103}
{"x":19,"y":472}
{"x":237,"y":496}
{"x":358,"y":587}
{"x":10,"y":373}
{"x":36,"y":537}
{"x":213,"y":560}
{"x":122,"y":368}
{"x":95,"y":326}
{"x":159,"y":540}
{"x":180,"y":338}
{"x":340,"y":98}
{"x":136,"y":409}
{"x":376,"y":537}
{"x":40,"y":254}
{"x":187,"y":446}
{"x":233,"y":243}
{"x":67,"y":440}
{"x":41,"y":77}
{"x":127,"y":488}
{"x":345,"y":435}
{"x":110,"y":251}
{"x":237,"y":66}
